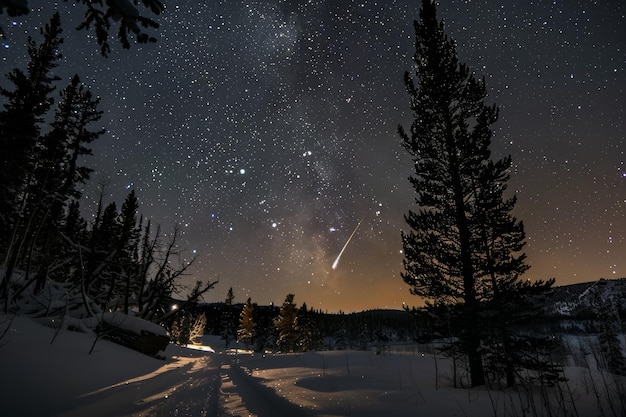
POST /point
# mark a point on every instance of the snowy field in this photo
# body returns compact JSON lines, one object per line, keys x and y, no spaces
{"x":62,"y":379}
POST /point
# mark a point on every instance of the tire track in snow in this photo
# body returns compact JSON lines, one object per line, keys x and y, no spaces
{"x":197,"y":396}
{"x":245,"y":395}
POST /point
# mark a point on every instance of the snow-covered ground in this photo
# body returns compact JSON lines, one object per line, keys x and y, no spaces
{"x":61,"y":379}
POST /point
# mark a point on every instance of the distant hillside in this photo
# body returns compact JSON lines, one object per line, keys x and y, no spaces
{"x":577,"y":300}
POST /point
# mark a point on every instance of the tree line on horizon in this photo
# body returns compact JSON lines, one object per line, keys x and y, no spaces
{"x":596,"y":313}
{"x":288,"y":328}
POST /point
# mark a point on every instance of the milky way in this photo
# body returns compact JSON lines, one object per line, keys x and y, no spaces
{"x":265,"y":128}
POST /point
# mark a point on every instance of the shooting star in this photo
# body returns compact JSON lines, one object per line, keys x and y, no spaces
{"x":348,"y":241}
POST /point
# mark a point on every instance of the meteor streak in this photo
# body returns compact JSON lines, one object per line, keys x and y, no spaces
{"x":348,"y":241}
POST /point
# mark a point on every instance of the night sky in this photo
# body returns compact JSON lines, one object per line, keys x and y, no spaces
{"x":267,"y":130}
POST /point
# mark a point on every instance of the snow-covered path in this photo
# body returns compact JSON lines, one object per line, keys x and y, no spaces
{"x":40,"y":378}
{"x":187,"y":387}
{"x":62,"y":379}
{"x":209,"y":386}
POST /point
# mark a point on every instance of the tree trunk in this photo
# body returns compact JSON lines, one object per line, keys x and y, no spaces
{"x":477,"y":375}
{"x":472,"y":325}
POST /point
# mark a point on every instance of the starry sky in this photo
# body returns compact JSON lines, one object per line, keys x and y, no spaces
{"x":266,"y":129}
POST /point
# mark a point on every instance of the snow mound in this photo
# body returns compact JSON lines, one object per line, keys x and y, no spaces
{"x":132,"y":324}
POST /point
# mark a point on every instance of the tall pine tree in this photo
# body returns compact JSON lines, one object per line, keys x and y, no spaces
{"x":286,"y":325}
{"x":246,"y":330}
{"x":462,"y":249}
{"x":448,"y":155}
{"x":228,"y":324}
{"x":21,"y":119}
{"x":309,"y":336}
{"x":20,"y":124}
{"x":128,"y":249}
{"x":58,"y":171}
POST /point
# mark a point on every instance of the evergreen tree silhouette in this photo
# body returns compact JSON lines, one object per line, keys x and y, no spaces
{"x":462,"y":251}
